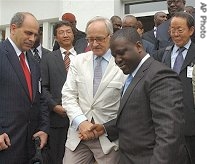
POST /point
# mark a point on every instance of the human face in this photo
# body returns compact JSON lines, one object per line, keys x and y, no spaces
{"x":117,"y":24}
{"x":179,"y":31}
{"x":161,"y":17}
{"x":175,"y":6}
{"x":24,"y":37}
{"x":98,"y":38}
{"x":64,"y":37}
{"x":129,"y":22}
{"x":126,"y":54}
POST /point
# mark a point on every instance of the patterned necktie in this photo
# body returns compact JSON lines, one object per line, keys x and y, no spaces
{"x":67,"y":60}
{"x":127,"y":83}
{"x":97,"y":74}
{"x":26,"y":73}
{"x":36,"y":55}
{"x":179,"y":60}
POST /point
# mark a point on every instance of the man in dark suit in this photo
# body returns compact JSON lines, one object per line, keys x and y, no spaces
{"x":163,"y":37}
{"x":150,"y":36}
{"x":38,"y":50}
{"x":23,"y":110}
{"x":77,"y":33}
{"x":82,"y":46}
{"x":54,"y":72}
{"x":182,"y":28}
{"x":131,"y":21}
{"x":150,"y":118}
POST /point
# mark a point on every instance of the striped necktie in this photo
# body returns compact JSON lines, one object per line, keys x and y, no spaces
{"x":67,"y":60}
{"x":36,"y":55}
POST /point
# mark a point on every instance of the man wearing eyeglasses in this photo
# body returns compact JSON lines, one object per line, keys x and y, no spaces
{"x":54,"y":68}
{"x":162,"y":34}
{"x":91,"y":94}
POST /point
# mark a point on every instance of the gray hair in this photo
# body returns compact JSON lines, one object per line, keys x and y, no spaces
{"x":107,"y":22}
{"x":19,"y":17}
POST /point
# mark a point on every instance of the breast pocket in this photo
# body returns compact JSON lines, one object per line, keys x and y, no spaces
{"x":115,"y":89}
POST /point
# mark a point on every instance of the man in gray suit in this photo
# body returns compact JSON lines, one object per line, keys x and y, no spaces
{"x":150,"y":117}
{"x":53,"y":71}
{"x":182,"y":28}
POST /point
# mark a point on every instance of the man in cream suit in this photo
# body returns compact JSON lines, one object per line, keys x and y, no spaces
{"x":83,"y":106}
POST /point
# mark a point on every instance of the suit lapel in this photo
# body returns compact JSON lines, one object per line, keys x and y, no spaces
{"x":33,"y":69}
{"x":107,"y":77}
{"x":88,"y":71}
{"x":59,"y":62}
{"x":139,"y":75}
{"x":190,"y":57}
{"x":15,"y":62}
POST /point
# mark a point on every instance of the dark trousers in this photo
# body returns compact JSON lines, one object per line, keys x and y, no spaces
{"x":57,"y":140}
{"x":190,"y":142}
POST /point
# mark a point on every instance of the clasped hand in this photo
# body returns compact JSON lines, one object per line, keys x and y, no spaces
{"x":90,"y":131}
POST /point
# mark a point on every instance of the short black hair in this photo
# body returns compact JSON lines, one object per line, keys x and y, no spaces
{"x":62,"y":23}
{"x":128,"y":33}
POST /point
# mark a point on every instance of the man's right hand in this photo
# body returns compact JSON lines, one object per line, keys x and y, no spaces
{"x":60,"y":110}
{"x":96,"y":129}
{"x":4,"y":141}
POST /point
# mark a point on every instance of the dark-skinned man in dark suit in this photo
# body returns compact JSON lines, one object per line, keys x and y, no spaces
{"x":150,"y":119}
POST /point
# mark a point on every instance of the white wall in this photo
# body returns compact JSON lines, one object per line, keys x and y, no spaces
{"x":85,"y":10}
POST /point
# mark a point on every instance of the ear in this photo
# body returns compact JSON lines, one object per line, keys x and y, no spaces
{"x":139,"y":46}
{"x":13,"y":27}
{"x":192,"y":29}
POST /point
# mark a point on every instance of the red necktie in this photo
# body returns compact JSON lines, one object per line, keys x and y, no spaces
{"x":67,"y":60}
{"x":26,"y":73}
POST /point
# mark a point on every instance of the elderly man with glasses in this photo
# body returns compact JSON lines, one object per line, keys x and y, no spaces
{"x":91,"y":94}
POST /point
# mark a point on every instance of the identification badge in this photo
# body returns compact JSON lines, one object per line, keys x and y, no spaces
{"x":189,"y":71}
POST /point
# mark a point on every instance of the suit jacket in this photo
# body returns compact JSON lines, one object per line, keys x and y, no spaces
{"x":81,"y":45}
{"x":45,"y":51}
{"x":149,"y":47}
{"x":163,"y":37}
{"x":149,"y":36}
{"x":150,"y":118}
{"x":77,"y":97}
{"x":53,"y":77}
{"x":189,"y":104}
{"x":20,"y":117}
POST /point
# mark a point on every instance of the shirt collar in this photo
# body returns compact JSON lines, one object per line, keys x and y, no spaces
{"x":140,"y":64}
{"x":106,"y":56}
{"x":72,"y":51}
{"x":186,"y":46}
{"x":17,"y":50}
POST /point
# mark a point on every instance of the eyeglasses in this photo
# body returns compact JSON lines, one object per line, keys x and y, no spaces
{"x":62,"y":32}
{"x":97,"y":39}
{"x":178,"y":31}
{"x":173,"y":1}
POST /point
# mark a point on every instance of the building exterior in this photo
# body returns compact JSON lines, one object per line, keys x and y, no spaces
{"x":49,"y":12}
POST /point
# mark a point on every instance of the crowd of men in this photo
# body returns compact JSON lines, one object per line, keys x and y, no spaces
{"x":112,"y":94}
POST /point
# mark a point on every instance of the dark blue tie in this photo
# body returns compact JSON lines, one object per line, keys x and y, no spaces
{"x":179,"y":60}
